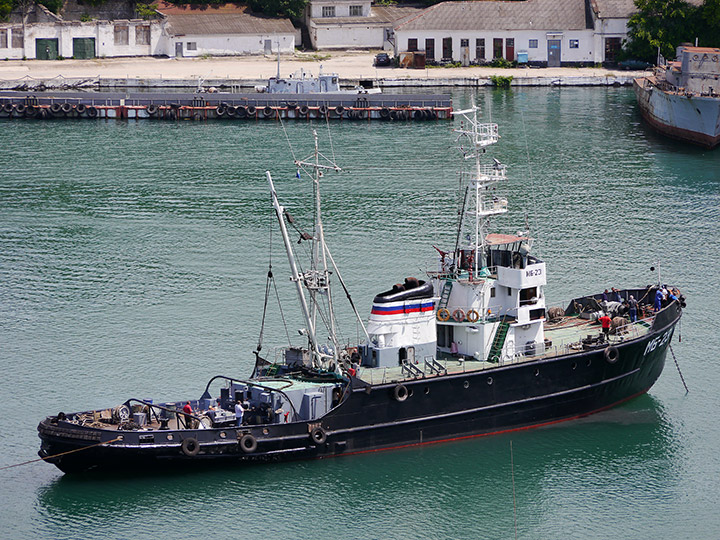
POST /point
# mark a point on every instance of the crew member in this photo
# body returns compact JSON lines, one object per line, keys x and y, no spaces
{"x":605,"y":321}
{"x":239,"y":411}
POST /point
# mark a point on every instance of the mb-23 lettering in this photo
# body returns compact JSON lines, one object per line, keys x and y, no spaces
{"x":657,"y":342}
{"x":533,"y":272}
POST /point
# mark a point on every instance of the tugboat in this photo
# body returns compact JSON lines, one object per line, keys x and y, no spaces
{"x":470,"y":350}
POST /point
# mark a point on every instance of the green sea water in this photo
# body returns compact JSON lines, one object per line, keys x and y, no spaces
{"x":133,"y":259}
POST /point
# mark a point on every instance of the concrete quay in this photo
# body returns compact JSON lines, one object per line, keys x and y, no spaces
{"x":236,"y":73}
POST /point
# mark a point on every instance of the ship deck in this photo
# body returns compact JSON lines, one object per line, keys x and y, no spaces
{"x":563,"y":337}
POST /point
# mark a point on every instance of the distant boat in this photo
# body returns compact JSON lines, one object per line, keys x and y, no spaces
{"x":682,"y":99}
{"x":302,"y":82}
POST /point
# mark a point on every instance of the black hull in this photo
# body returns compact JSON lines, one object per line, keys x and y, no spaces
{"x":443,"y":408}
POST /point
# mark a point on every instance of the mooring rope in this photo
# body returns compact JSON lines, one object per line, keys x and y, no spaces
{"x":678,"y":368}
{"x":60,"y":454}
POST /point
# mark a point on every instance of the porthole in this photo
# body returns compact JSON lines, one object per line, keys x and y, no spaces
{"x":427,"y":390}
{"x":537,"y":372}
{"x":466,"y":384}
{"x":223,"y":434}
{"x":169,"y":436}
{"x":120,"y":437}
{"x":573,"y":365}
{"x":266,"y":431}
{"x":489,"y":380}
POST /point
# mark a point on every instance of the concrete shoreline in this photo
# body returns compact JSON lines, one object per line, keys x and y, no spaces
{"x":246,"y":72}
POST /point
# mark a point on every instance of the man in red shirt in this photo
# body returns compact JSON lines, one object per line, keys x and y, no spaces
{"x":187,"y":409}
{"x":605,"y":321}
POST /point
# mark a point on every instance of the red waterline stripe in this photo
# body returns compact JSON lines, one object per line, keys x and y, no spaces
{"x":501,"y":432}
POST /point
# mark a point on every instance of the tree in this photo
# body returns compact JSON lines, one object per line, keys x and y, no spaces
{"x":665,"y":24}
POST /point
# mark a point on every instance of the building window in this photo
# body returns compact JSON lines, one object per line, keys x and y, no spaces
{"x":464,"y":42}
{"x":121,"y":35}
{"x":430,"y":49}
{"x":191,"y":46}
{"x":612,"y":48}
{"x":492,"y":292}
{"x":356,"y":11}
{"x":3,"y":39}
{"x":533,"y":44}
{"x":412,"y":44}
{"x":328,"y":11}
{"x":574,"y":43}
{"x":142,"y":35}
{"x":480,"y":49}
{"x":497,"y":47}
{"x":17,"y":41}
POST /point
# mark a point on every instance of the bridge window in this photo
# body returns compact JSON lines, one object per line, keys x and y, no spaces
{"x":528,"y":296}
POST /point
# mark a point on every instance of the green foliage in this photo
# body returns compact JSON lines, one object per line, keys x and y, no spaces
{"x":5,"y":8}
{"x":274,"y":8}
{"x":52,"y":5}
{"x":668,"y":23}
{"x":145,"y":11}
{"x":85,"y":18}
{"x":501,"y":81}
{"x":502,"y":63}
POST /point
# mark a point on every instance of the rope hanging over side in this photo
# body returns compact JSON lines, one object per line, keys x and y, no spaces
{"x":60,"y":454}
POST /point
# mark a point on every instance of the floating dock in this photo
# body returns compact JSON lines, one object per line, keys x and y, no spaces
{"x":225,"y":106}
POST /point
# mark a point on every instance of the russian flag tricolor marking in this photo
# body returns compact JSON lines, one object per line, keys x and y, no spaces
{"x":421,"y":307}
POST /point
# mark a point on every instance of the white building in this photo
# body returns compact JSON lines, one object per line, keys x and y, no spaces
{"x":179,"y":31}
{"x":342,"y":24}
{"x":224,"y":30}
{"x":543,"y":32}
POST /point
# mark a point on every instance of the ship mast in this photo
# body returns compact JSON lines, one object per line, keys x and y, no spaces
{"x":481,"y":179}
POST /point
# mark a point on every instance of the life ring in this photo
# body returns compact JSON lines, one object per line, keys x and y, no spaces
{"x":400,"y":392}
{"x":443,"y":314}
{"x":339,"y":110}
{"x":458,"y":315}
{"x":268,"y":111}
{"x":304,"y":109}
{"x":241,"y":111}
{"x":318,"y":435}
{"x":20,"y":108}
{"x":612,"y":354}
{"x":473,"y":316}
{"x":92,"y":112}
{"x":385,"y":113}
{"x":152,"y":109}
{"x":190,"y":447}
{"x":248,"y":443}
{"x":66,"y":107}
{"x":31,"y":110}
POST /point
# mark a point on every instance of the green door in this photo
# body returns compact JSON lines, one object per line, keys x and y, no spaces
{"x":46,"y":49}
{"x":83,"y":47}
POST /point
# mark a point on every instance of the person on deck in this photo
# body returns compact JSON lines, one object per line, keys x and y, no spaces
{"x":239,"y":411}
{"x":633,"y":304}
{"x":658,"y":300}
{"x":187,"y":409}
{"x":605,"y":321}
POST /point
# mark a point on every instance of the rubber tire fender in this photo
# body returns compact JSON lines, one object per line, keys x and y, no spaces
{"x":20,"y":108}
{"x":248,"y":443}
{"x":152,"y":109}
{"x":66,"y":107}
{"x":8,"y":108}
{"x":304,"y":110}
{"x":251,"y":110}
{"x":400,"y":392}
{"x":339,"y":110}
{"x":268,"y":111}
{"x":81,"y":108}
{"x":318,"y":435}
{"x":220,"y":111}
{"x":612,"y":354}
{"x":92,"y":112}
{"x":230,"y":110}
{"x":190,"y":447}
{"x":55,"y":108}
{"x":385,"y":113}
{"x":241,"y":111}
{"x":322,"y":110}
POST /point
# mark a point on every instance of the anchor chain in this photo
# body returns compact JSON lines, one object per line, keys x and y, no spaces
{"x":678,"y":368}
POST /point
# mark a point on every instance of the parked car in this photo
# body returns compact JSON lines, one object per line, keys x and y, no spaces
{"x":634,"y":65}
{"x":382,"y":59}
